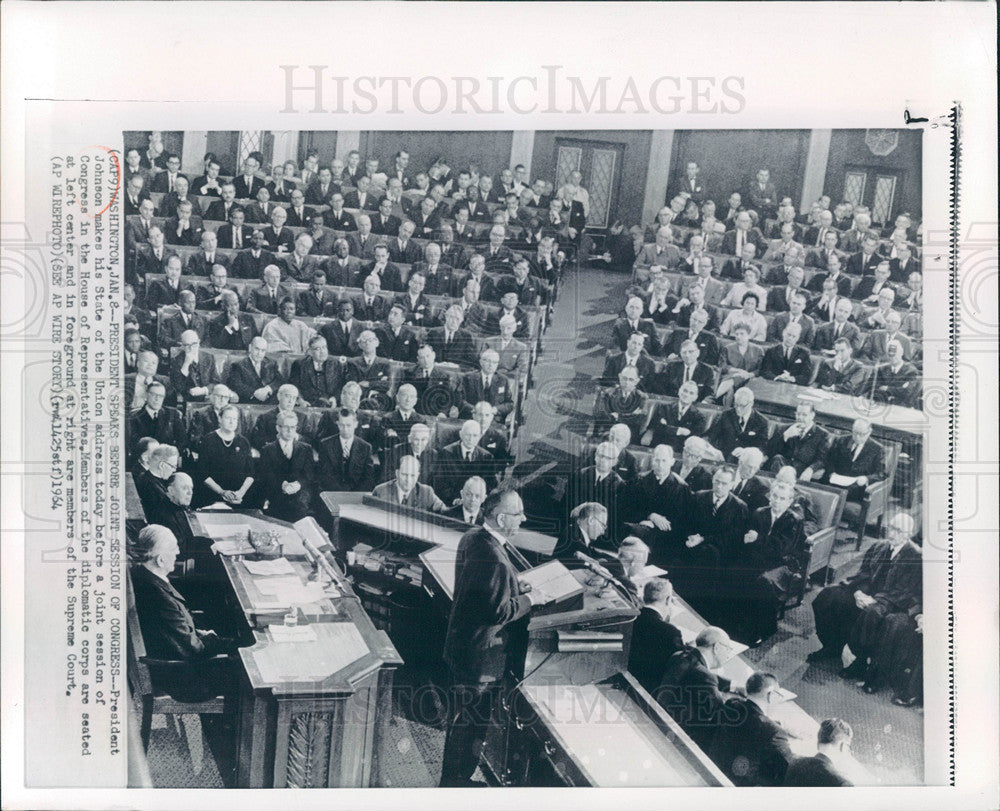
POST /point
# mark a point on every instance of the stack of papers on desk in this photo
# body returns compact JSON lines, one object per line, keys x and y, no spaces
{"x":293,"y":633}
{"x":232,"y":546}
{"x":285,"y":591}
{"x":269,"y":568}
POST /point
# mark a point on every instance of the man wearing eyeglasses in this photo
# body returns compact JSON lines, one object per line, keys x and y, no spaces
{"x":487,"y":636}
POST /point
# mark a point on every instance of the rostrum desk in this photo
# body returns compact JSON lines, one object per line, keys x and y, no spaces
{"x":576,"y":659}
{"x":311,"y":710}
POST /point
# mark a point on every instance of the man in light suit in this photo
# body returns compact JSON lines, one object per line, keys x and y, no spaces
{"x":406,"y":490}
{"x":713,"y":289}
{"x":663,"y":253}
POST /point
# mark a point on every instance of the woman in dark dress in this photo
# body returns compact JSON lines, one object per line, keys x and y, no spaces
{"x":225,"y":463}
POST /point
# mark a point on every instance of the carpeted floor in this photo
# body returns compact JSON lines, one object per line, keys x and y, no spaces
{"x":888,"y":739}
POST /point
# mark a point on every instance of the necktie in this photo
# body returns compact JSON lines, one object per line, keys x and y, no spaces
{"x":687,"y":373}
{"x":131,"y":359}
{"x":489,"y":380}
{"x":170,"y":178}
{"x":468,"y":456}
{"x":836,"y":330}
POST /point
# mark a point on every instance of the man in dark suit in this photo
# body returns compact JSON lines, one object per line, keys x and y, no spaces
{"x":318,"y":376}
{"x":268,"y":295}
{"x":462,"y":459}
{"x":209,"y":296}
{"x":654,"y":639}
{"x":346,"y":461}
{"x":135,"y":193}
{"x":598,"y":483}
{"x":137,"y":227}
{"x":409,"y":437}
{"x":896,"y":381}
{"x":286,"y":473}
{"x":202,"y":261}
{"x":137,"y":382}
{"x":696,"y":331}
{"x":336,"y":218}
{"x":248,"y":184}
{"x":342,"y":269}
{"x":841,"y":327}
{"x":689,"y":468}
{"x":869,"y":287}
{"x":266,"y":428}
{"x":779,"y":298}
{"x":255,"y":378}
{"x":156,"y":420}
{"x":168,"y":629}
{"x":319,"y":192}
{"x":439,"y":276}
{"x":316,"y":300}
{"x":260,"y":211}
{"x":166,"y":181}
{"x":833,"y":743}
{"x":788,"y":361}
{"x":426,"y":220}
{"x":402,"y":248}
{"x":396,"y":341}
{"x":795,"y":315}
{"x":281,"y":185}
{"x":659,"y":501}
{"x":903,"y":264}
{"x":690,"y":689}
{"x":172,"y":201}
{"x":235,"y":235}
{"x":842,"y":373}
{"x":865,"y":261}
{"x":487,"y":633}
{"x":222,"y":209}
{"x":451,"y":342}
{"x":487,"y":385}
{"x":192,"y":372}
{"x":635,"y":357}
{"x":185,"y":227}
{"x":624,"y":404}
{"x":743,"y":234}
{"x":469,"y":510}
{"x":164,"y":292}
{"x":741,"y":426}
{"x":688,"y":368}
{"x":369,"y":371}
{"x":856,"y":459}
{"x":250,"y":263}
{"x":672,"y":423}
{"x":342,"y":334}
{"x":634,"y":322}
{"x":753,"y":751}
{"x":803,"y":444}
{"x":183,"y":320}
{"x":174,"y":512}
{"x":385,"y":222}
{"x":231,"y":329}
{"x":300,"y":264}
{"x":151,"y":257}
{"x":299,"y":214}
{"x":762,"y":196}
{"x":277,"y":236}
{"x":362,"y":198}
{"x":417,"y":308}
{"x":389,"y":275}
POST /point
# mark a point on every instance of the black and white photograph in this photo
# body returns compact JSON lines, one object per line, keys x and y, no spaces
{"x":550,"y":427}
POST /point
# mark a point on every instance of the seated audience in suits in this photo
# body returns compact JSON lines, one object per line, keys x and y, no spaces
{"x":469,"y":510}
{"x":168,"y":629}
{"x":286,"y":472}
{"x":833,"y":745}
{"x":368,"y":370}
{"x":789,"y":361}
{"x":803,"y":444}
{"x":672,"y":423}
{"x":406,"y":490}
{"x":281,"y":185}
{"x":626,"y":465}
{"x":435,"y":387}
{"x":396,"y":341}
{"x":855,"y":461}
{"x":278,"y":237}
{"x":231,"y":329}
{"x":397,"y":423}
{"x":821,"y":256}
{"x":494,"y":435}
{"x":598,"y":482}
{"x":402,"y":248}
{"x":784,"y":288}
{"x":451,"y":342}
{"x":166,"y":180}
{"x":317,"y":193}
{"x":345,"y":460}
{"x":165,"y":292}
{"x":842,"y":373}
{"x":634,"y":322}
{"x":415,"y":441}
{"x":266,"y":297}
{"x":488,"y":385}
{"x":255,"y":378}
{"x":317,"y":375}
{"x":689,"y":468}
{"x":694,"y":301}
{"x":696,"y":331}
{"x":896,"y":381}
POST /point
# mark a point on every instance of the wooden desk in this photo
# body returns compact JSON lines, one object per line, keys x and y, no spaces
{"x":311,"y":709}
{"x":905,"y":425}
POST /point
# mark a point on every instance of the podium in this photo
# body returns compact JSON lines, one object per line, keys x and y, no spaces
{"x":314,"y":697}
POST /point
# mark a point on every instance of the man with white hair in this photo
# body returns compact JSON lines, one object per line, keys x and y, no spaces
{"x":654,"y":638}
{"x":743,"y":234}
{"x":168,"y":629}
{"x":255,"y":378}
{"x":397,"y":423}
{"x":597,"y":482}
{"x":145,"y":374}
{"x":741,"y":426}
{"x":415,"y":443}
{"x":769,"y":565}
{"x":192,"y":371}
{"x":266,"y":297}
{"x":469,"y":509}
{"x":451,"y":342}
{"x":487,"y":384}
{"x":277,"y":236}
{"x":888,"y":581}
{"x":634,"y":322}
{"x":896,"y":381}
{"x":462,"y":459}
{"x":174,"y":511}
{"x":513,"y":353}
{"x":658,"y":501}
{"x":662,"y":253}
{"x":689,"y":468}
{"x":788,"y":361}
{"x":747,"y":485}
{"x":620,"y":435}
{"x":300,"y":263}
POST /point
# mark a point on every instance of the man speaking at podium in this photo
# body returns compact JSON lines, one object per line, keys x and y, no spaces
{"x":487,"y":635}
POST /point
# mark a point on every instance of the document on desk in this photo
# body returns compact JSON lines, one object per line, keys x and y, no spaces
{"x":552,"y":581}
{"x":294,"y":633}
{"x":336,"y":645}
{"x":231,"y":547}
{"x":269,"y":568}
{"x":285,"y":591}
